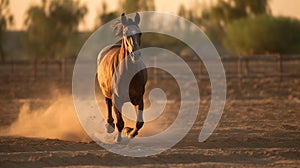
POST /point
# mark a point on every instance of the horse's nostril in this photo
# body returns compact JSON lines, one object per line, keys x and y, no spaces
{"x":137,"y":53}
{"x":135,"y":56}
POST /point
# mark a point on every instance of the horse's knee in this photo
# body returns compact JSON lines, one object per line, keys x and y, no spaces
{"x":110,"y":120}
{"x":120,"y":125}
{"x":108,"y":101}
{"x":139,"y":125}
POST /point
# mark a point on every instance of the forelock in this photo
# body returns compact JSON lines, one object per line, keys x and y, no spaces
{"x":131,"y":30}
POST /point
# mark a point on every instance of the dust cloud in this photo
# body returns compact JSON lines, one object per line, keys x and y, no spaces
{"x":57,"y":121}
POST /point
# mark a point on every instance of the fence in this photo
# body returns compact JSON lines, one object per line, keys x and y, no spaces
{"x":45,"y":70}
{"x":265,"y":65}
{"x":252,"y":66}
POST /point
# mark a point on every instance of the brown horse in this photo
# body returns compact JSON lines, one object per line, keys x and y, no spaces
{"x":114,"y":62}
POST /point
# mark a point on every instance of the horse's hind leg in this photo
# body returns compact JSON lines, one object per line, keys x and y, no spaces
{"x":139,"y":121}
{"x":120,"y":122}
{"x":110,"y":126}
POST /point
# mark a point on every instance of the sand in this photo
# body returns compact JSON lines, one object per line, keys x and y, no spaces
{"x":260,"y":127}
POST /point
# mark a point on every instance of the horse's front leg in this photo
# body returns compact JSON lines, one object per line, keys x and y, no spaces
{"x":120,"y":122}
{"x":139,"y":121}
{"x":110,"y":126}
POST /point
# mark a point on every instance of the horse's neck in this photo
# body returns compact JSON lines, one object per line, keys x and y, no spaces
{"x":123,"y":51}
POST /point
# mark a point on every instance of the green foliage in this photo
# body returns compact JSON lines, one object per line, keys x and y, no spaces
{"x":226,"y":11}
{"x":131,"y":6}
{"x":263,"y":34}
{"x":50,"y":28}
{"x":194,"y":12}
{"x":215,"y":18}
{"x":146,"y":5}
{"x":126,"y":6}
{"x":182,"y":11}
{"x":6,"y":20}
{"x":105,"y":16}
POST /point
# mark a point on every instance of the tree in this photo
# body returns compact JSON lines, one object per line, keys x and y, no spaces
{"x":38,"y":31}
{"x":230,"y":10}
{"x":6,"y":20}
{"x":126,"y":6}
{"x":182,"y":11}
{"x":146,"y":5}
{"x":193,"y":13}
{"x":106,"y":16}
{"x":51,"y":25}
{"x":50,"y":28}
{"x":215,"y":19}
{"x":131,"y":6}
{"x":263,"y":34}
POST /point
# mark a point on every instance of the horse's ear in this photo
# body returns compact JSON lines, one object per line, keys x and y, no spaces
{"x":137,"y":18}
{"x":123,"y":19}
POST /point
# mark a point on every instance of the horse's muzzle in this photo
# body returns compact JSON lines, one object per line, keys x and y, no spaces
{"x":135,"y":56}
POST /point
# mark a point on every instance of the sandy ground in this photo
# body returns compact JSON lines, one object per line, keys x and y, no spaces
{"x":260,"y":127}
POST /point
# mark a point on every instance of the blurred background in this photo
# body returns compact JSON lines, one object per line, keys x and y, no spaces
{"x":259,"y":44}
{"x":42,"y":34}
{"x":43,"y":37}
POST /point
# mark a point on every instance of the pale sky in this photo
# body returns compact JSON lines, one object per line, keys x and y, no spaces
{"x":19,"y":7}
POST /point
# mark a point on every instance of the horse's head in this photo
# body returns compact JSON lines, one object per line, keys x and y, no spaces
{"x":131,"y":36}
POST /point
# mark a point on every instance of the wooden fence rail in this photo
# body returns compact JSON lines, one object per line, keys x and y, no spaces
{"x":252,"y":66}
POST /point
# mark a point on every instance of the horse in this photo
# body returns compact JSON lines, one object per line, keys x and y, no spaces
{"x":114,"y":62}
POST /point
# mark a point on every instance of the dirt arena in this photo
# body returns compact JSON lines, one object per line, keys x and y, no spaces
{"x":260,"y":127}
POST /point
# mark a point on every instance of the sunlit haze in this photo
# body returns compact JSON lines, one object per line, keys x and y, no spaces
{"x":19,"y":8}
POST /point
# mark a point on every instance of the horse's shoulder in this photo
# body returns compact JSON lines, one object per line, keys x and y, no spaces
{"x":105,"y":50}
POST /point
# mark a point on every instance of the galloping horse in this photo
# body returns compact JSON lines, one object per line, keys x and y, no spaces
{"x":114,"y":62}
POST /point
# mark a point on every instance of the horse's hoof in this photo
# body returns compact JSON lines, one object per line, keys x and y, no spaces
{"x":126,"y":131}
{"x":110,"y":127}
{"x":132,"y":134}
{"x":129,"y":132}
{"x":119,"y":138}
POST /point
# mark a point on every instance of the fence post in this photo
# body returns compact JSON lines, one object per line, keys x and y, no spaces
{"x":279,"y":60}
{"x":34,"y":68}
{"x":239,"y":70}
{"x":201,"y":68}
{"x":63,"y":69}
{"x":46,"y":66}
{"x":12,"y":68}
{"x":247,"y":66}
{"x":239,"y":66}
{"x":155,"y":70}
